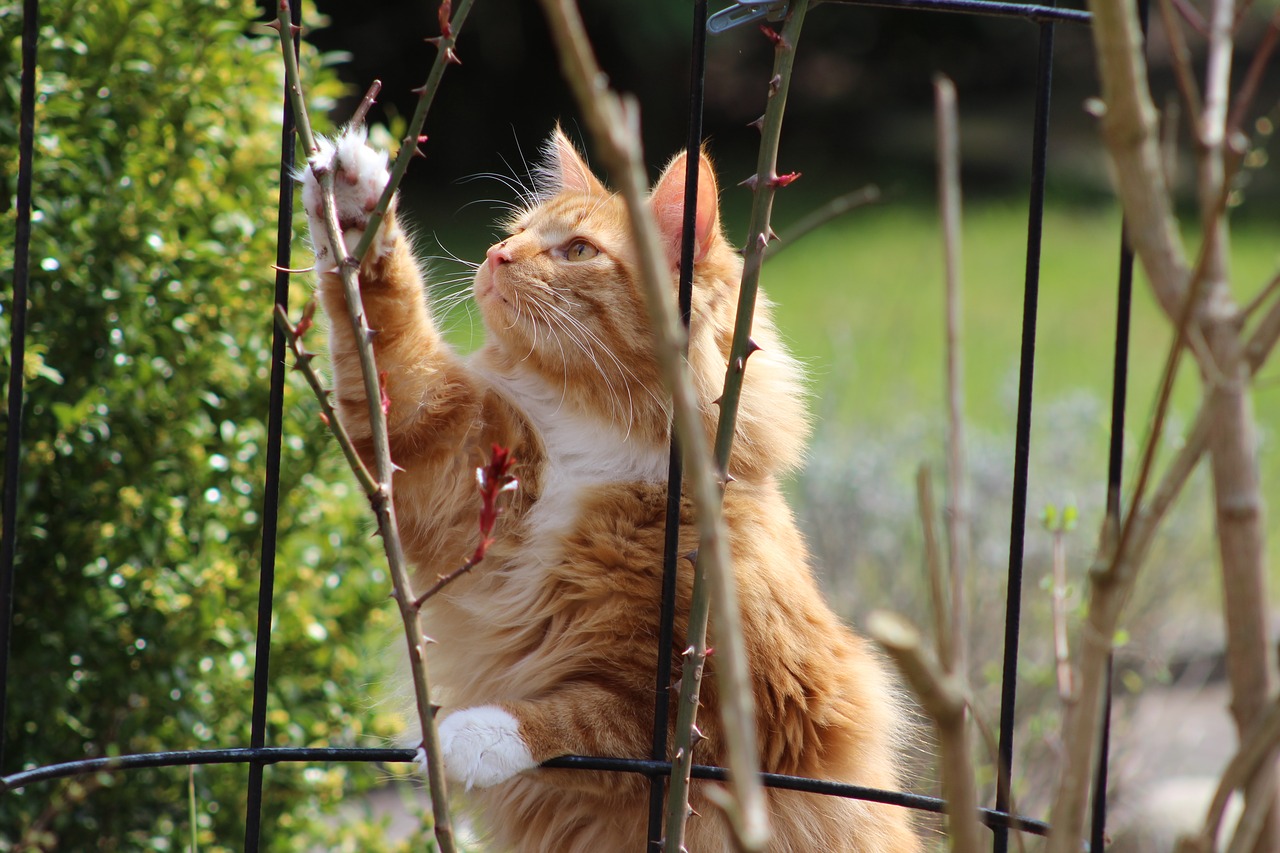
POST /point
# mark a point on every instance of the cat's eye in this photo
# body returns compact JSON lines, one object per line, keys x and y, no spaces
{"x":579,"y":250}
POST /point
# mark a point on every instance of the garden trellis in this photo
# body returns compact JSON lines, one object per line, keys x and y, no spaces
{"x":1043,"y":20}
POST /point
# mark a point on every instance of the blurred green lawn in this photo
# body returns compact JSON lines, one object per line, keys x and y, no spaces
{"x":861,"y":300}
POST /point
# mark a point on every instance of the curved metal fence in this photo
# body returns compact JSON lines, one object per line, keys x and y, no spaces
{"x":257,"y":755}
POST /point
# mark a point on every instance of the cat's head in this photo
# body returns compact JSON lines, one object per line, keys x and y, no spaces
{"x":561,"y":299}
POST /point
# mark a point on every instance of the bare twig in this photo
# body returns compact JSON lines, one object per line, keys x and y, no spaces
{"x":1244,"y":98}
{"x":302,"y":362}
{"x":445,"y":56}
{"x":764,"y":184}
{"x":833,"y":209}
{"x":1182,"y":69}
{"x":1058,"y":527}
{"x":942,"y":696}
{"x":370,"y":97}
{"x":613,"y":123}
{"x":1129,"y":124}
{"x":380,"y":495}
{"x":938,"y":598}
{"x":1259,"y":747}
{"x":1192,"y":16}
{"x":1259,"y":299}
{"x":957,"y":516}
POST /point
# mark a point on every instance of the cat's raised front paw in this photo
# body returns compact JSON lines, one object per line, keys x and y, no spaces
{"x":359,"y":177}
{"x":482,"y":746}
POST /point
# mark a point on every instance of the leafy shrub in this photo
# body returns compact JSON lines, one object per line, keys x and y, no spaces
{"x":158,"y":132}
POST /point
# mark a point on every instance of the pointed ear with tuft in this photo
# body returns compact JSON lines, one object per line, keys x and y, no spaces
{"x":563,"y":169}
{"x":667,"y":201}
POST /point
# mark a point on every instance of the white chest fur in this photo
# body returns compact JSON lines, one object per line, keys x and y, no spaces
{"x":582,"y":451}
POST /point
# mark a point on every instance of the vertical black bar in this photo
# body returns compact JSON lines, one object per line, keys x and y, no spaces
{"x":1115,"y":468}
{"x":17,"y":346}
{"x":271,"y":490}
{"x":675,"y":470}
{"x":1018,"y":521}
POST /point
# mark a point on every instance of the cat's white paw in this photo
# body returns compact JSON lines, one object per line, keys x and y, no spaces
{"x":359,"y":177}
{"x":482,"y":746}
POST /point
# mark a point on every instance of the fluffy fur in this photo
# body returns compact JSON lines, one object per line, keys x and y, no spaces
{"x":548,"y":647}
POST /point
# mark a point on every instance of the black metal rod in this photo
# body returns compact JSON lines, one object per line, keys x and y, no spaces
{"x":675,"y":470}
{"x":17,"y":347}
{"x":1115,"y":471}
{"x":1028,"y":11}
{"x":660,"y":769}
{"x":1022,"y":448}
{"x":271,"y":489}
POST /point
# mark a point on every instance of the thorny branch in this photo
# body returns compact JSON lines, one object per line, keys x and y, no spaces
{"x":613,"y":124}
{"x":764,"y":184}
{"x":379,"y":489}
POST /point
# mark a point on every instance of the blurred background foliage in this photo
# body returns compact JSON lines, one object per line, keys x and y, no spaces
{"x":148,"y":353}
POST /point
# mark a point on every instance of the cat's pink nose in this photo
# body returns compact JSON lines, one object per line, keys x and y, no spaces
{"x":498,"y":254}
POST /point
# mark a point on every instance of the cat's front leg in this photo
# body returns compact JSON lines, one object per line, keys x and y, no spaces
{"x":359,"y":177}
{"x":486,"y":745}
{"x":482,"y":746}
{"x":408,"y":347}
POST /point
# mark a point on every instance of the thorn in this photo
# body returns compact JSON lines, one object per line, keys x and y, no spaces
{"x":718,"y":401}
{"x":689,"y":651}
{"x":762,"y":242}
{"x":770,"y":235}
{"x":752,"y":346}
{"x":728,"y":478}
{"x":783,"y":180}
{"x":750,"y":183}
{"x":692,"y":556}
{"x":324,"y":419}
{"x":739,"y":364}
{"x":434,"y":709}
{"x":711,"y":650}
{"x":771,"y":34}
{"x":675,"y":685}
{"x":758,"y":124}
{"x":693,"y":812}
{"x":775,"y":83}
{"x":274,"y":25}
{"x":679,"y":754}
{"x":696,"y":736}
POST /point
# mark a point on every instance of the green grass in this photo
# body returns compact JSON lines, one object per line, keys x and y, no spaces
{"x":862,"y":302}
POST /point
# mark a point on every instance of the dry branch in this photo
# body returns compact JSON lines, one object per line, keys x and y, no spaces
{"x":613,"y":123}
{"x":379,"y":487}
{"x":942,"y":697}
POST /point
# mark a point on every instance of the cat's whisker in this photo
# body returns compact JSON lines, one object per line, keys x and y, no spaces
{"x":574,"y":324}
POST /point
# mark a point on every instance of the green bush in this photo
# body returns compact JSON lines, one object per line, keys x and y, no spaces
{"x":157,"y":139}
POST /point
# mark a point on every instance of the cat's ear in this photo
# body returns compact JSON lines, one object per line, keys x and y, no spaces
{"x":563,"y":169}
{"x":667,"y":201}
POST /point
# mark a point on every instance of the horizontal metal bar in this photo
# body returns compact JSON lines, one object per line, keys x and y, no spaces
{"x":276,"y":755}
{"x":1031,"y":12}
{"x":990,"y":817}
{"x":264,"y":755}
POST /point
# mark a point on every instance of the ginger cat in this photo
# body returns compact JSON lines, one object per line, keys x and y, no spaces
{"x":548,"y":647}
